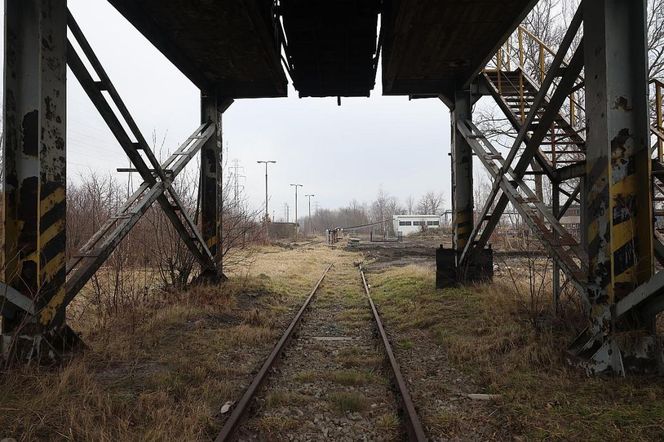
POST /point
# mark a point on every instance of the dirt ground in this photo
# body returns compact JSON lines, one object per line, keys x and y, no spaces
{"x":165,"y":368}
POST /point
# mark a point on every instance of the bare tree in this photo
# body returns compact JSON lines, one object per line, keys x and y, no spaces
{"x":431,"y":203}
{"x":410,"y":204}
{"x":383,"y":209}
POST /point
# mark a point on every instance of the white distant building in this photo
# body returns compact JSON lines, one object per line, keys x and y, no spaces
{"x":406,"y":224}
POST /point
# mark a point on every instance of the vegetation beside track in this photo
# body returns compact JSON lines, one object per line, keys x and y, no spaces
{"x":161,"y":367}
{"x":506,"y":342}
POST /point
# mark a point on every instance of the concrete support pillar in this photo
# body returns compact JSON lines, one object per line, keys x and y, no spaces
{"x":211,"y":179}
{"x":462,"y":175}
{"x":33,"y":252}
{"x":619,"y":215}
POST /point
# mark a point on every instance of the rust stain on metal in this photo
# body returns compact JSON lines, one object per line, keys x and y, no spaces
{"x":622,"y":103}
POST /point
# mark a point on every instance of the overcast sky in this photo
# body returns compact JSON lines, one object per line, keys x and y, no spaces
{"x":338,"y":153}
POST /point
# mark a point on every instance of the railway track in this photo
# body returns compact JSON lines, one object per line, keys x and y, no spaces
{"x":338,"y":327}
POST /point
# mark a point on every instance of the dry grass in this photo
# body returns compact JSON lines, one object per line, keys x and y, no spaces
{"x":276,"y":428}
{"x":341,"y":377}
{"x":351,"y":402}
{"x":162,"y":368}
{"x":389,"y":423}
{"x":352,"y":357}
{"x":490,"y":333}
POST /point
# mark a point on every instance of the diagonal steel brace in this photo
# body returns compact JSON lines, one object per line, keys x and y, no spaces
{"x":511,"y":187}
{"x":99,"y":247}
{"x":187,"y":230}
{"x":567,"y":82}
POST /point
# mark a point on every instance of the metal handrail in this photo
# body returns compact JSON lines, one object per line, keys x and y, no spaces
{"x":508,"y":52}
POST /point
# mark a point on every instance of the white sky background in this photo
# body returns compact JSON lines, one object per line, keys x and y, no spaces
{"x":338,"y":153}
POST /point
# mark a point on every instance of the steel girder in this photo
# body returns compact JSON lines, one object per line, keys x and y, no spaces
{"x":532,"y":135}
{"x":169,"y":201}
{"x":612,"y":266}
{"x":212,"y":108}
{"x":562,"y":247}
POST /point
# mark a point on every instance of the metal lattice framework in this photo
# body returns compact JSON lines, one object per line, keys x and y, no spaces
{"x":604,"y":165}
{"x":34,"y":308}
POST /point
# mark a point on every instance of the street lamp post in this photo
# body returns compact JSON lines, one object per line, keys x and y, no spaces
{"x":296,"y":225}
{"x":267,"y":214}
{"x":309,"y":219}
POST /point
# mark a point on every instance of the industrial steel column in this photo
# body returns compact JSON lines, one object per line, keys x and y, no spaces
{"x":33,"y":253}
{"x":212,"y":109}
{"x":211,"y":181}
{"x":619,"y":224}
{"x":462,"y":175}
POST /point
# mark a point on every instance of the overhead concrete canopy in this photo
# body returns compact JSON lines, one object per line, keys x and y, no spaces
{"x":433,"y":47}
{"x":430,"y":47}
{"x":227,"y":45}
{"x":331,"y":45}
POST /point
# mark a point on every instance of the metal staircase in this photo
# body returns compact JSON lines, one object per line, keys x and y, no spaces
{"x":515,"y":92}
{"x":541,"y":93}
{"x":548,"y":142}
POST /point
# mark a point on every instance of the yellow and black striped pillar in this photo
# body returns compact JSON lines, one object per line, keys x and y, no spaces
{"x":617,"y":187}
{"x":34,"y":206}
{"x":462,"y":175}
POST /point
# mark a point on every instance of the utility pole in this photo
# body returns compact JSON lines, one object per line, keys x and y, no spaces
{"x":296,"y":186}
{"x":236,"y":179}
{"x":266,"y":162}
{"x":309,"y":219}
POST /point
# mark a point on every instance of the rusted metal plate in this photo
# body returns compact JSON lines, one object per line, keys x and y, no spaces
{"x":229,"y":46}
{"x":436,"y":46}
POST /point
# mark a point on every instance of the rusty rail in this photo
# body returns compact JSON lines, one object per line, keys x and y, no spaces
{"x":243,"y":405}
{"x":412,"y":420}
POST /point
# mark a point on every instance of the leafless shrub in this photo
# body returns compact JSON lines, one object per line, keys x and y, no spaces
{"x":152,"y":257}
{"x":531,"y":276}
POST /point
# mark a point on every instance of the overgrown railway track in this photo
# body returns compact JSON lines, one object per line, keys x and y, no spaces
{"x":408,"y":412}
{"x":400,"y":404}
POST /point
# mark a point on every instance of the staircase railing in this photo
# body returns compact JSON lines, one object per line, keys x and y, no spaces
{"x":525,"y":51}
